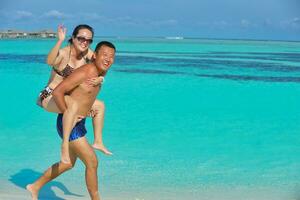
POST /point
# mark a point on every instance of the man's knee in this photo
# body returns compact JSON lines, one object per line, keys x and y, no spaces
{"x":92,"y":162}
{"x":68,"y":166}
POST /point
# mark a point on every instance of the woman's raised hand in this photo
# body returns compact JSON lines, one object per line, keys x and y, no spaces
{"x":61,"y":32}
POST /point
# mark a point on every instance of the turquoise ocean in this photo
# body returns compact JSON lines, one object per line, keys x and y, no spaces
{"x":186,"y":119}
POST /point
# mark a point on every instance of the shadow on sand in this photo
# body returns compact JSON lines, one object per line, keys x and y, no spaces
{"x":27,"y":176}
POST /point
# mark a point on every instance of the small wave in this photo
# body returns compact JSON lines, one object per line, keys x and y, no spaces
{"x":252,"y":78}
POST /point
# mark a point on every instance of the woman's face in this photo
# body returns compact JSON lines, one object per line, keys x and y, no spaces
{"x":83,"y":40}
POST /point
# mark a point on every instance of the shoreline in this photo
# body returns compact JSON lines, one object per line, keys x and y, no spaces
{"x":206,"y":193}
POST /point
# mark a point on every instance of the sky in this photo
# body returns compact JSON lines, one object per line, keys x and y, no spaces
{"x":223,"y":19}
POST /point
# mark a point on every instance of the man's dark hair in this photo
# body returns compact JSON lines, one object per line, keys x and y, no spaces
{"x":78,"y":28}
{"x":104,"y":43}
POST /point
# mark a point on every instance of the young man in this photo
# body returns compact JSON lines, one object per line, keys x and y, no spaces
{"x":84,"y":96}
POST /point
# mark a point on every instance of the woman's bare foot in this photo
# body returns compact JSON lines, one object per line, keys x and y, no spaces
{"x":102,"y":148}
{"x":65,"y":156}
{"x":34,"y":193}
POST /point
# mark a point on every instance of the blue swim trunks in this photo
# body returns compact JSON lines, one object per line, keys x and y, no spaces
{"x":78,"y":131}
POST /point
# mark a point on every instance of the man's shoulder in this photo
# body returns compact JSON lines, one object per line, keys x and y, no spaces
{"x":89,"y":68}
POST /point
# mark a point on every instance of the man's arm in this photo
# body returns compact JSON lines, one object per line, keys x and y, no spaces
{"x":67,"y":85}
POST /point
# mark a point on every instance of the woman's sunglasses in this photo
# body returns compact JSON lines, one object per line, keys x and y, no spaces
{"x":82,"y":40}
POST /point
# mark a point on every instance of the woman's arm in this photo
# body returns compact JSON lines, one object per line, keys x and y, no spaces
{"x":54,"y":57}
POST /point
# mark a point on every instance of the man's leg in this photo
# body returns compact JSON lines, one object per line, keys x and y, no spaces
{"x":50,"y":174}
{"x":86,"y":153}
{"x":98,"y":109}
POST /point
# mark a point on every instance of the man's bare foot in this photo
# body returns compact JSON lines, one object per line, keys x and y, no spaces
{"x":65,"y":156}
{"x":34,"y":193}
{"x":95,"y":195}
{"x":102,"y":148}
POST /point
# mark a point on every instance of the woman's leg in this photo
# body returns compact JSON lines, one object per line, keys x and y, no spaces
{"x":97,"y":113}
{"x":50,"y":174}
{"x":50,"y":105}
{"x":69,"y":121}
{"x":86,"y":153}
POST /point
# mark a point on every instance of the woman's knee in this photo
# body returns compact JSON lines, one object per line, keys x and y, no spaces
{"x":98,"y":105}
{"x":72,"y":105}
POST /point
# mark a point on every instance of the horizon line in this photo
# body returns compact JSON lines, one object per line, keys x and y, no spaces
{"x":174,"y":38}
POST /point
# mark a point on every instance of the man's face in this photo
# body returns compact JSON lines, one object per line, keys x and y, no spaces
{"x":105,"y":57}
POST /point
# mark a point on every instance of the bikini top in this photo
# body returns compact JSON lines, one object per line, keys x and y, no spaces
{"x":68,"y":69}
{"x":65,"y":72}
